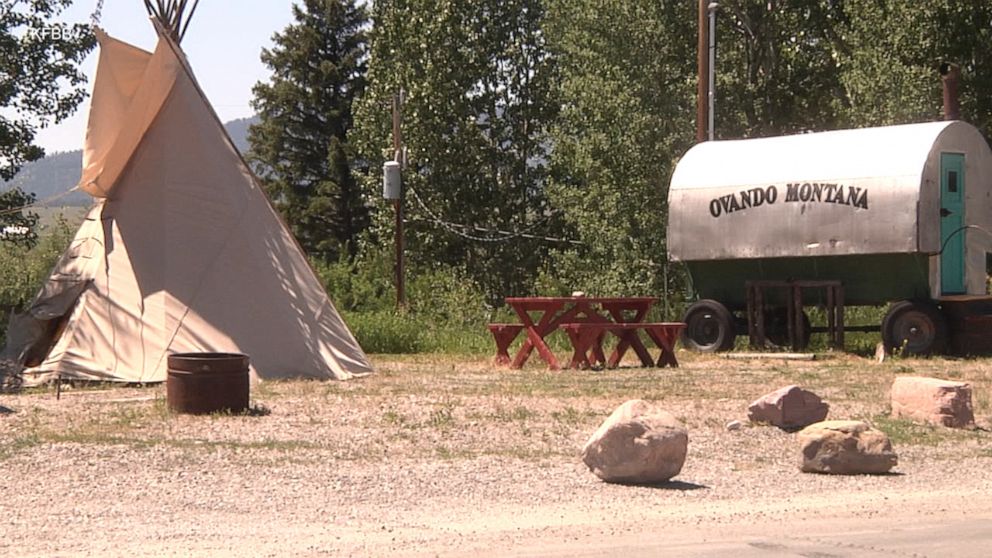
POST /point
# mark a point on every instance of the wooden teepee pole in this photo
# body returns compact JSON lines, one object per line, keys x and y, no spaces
{"x":182,"y":32}
{"x":173,"y":15}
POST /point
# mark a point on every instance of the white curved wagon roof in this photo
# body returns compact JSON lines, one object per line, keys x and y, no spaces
{"x":844,"y":192}
{"x":892,"y":151}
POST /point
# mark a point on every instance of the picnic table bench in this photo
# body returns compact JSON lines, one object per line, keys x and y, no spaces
{"x":586,"y":320}
{"x":585,"y":337}
{"x":504,"y":334}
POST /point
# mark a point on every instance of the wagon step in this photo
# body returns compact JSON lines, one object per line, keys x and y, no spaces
{"x":859,"y":328}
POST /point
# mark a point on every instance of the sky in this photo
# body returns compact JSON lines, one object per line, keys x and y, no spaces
{"x":223,"y":44}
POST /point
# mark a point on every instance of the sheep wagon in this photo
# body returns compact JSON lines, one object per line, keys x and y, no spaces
{"x":897,"y":214}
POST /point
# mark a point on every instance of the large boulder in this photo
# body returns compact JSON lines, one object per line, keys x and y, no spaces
{"x":933,"y":401}
{"x":790,"y":408}
{"x":637,"y":444}
{"x":845,"y":447}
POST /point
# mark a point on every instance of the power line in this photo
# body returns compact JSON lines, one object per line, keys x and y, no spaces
{"x":38,"y":203}
{"x":505,"y":236}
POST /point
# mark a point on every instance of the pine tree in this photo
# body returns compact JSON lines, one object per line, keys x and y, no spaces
{"x":300,"y":146}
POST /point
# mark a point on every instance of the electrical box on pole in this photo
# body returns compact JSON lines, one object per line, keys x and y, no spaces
{"x":392,"y":181}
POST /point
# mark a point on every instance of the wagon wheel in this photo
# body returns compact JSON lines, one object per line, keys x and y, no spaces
{"x":777,"y":328}
{"x":916,"y":328}
{"x":709,"y":327}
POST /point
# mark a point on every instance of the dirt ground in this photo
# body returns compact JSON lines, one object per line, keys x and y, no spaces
{"x":444,"y":456}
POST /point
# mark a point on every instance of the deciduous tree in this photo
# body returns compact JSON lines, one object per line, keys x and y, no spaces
{"x":40,"y":81}
{"x":479,"y":83}
{"x":627,"y":90}
{"x":777,"y":68}
{"x":20,"y":224}
{"x":892,"y":50}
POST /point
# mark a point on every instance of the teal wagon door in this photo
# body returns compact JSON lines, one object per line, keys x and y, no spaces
{"x":951,"y":222}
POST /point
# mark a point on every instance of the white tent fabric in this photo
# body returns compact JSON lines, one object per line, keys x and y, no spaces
{"x":184,"y":251}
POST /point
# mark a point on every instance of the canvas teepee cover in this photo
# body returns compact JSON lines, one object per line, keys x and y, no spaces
{"x":182,"y":252}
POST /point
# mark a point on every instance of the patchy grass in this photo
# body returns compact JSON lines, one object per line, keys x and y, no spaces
{"x":110,"y":439}
{"x":102,"y":437}
{"x":570,"y":416}
{"x":501,"y":413}
{"x":442,"y":416}
{"x":19,"y":444}
{"x":455,"y":407}
{"x":392,"y":418}
{"x":905,"y":432}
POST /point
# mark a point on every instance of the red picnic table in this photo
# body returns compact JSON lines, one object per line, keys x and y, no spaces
{"x":586,"y":320}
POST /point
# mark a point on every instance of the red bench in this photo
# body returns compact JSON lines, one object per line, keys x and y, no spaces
{"x":504,"y":334}
{"x":588,"y":336}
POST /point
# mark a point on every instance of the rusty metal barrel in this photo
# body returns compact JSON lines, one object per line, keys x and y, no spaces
{"x":202,"y":383}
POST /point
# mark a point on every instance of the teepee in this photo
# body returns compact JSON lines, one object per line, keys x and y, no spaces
{"x":182,"y":250}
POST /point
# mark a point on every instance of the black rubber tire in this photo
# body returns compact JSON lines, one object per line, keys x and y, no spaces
{"x":777,"y":328}
{"x":914,"y":328}
{"x":710,"y":327}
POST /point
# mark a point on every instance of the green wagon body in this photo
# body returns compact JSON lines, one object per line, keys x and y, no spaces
{"x":868,"y":280}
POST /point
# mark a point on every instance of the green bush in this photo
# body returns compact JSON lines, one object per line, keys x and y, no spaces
{"x":24,"y":270}
{"x":362,"y":285}
{"x":445,"y":312}
{"x":446,"y":295}
{"x":385,"y":332}
{"x":392,"y":332}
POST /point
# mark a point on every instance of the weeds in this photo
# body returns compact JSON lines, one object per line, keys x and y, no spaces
{"x":502,"y":414}
{"x":447,"y":454}
{"x":392,"y":418}
{"x":441,"y":416}
{"x":18,"y":445}
{"x":569,"y":416}
{"x":906,"y":432}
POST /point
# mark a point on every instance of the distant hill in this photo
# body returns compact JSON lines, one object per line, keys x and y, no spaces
{"x":238,"y":130}
{"x":52,"y":175}
{"x":60,"y":171}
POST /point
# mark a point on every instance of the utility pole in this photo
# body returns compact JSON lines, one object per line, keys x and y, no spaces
{"x":711,"y":69}
{"x":399,"y":157}
{"x":703,"y":63}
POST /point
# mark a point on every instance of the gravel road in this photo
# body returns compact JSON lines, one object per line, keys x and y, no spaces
{"x":427,"y":458}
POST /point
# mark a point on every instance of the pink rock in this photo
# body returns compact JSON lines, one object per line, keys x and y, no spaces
{"x":789,"y":407}
{"x":845,"y":447}
{"x":637,"y":444}
{"x":932,"y":400}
